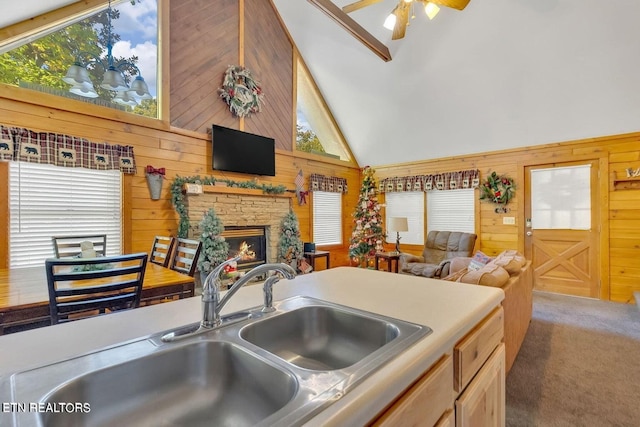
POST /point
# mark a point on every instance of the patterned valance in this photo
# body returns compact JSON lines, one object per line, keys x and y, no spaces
{"x":331,"y":184}
{"x":439,"y":181}
{"x":63,"y":150}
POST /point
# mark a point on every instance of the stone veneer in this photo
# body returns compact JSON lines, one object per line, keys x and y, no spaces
{"x":239,"y":207}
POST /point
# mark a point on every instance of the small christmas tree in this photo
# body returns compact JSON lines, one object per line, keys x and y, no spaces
{"x":215,"y":250}
{"x":366,"y":219}
{"x":290,"y":246}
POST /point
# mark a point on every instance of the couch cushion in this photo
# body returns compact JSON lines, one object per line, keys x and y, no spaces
{"x":422,"y":269}
{"x":511,"y":260}
{"x":479,"y":260}
{"x":489,"y":275}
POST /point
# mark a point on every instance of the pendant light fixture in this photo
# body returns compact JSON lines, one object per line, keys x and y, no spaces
{"x":113,"y":79}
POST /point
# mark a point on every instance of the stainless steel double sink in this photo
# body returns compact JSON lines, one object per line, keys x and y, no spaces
{"x":266,"y":369}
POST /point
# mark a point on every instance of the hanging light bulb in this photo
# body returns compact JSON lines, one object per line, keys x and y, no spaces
{"x":390,"y":22}
{"x":431,"y":10}
{"x":113,"y":79}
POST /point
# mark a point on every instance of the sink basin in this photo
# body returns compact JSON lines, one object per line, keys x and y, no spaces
{"x":321,"y":338}
{"x":191,"y":385}
{"x":273,"y":369}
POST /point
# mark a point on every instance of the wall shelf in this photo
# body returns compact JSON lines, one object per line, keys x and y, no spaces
{"x":632,"y":183}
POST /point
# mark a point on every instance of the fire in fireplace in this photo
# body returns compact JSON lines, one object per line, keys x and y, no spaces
{"x":250,"y":242}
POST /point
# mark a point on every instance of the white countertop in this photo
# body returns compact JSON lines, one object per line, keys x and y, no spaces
{"x":450,"y":309}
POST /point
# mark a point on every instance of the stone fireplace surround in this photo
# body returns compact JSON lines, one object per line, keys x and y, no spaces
{"x":241,"y":207}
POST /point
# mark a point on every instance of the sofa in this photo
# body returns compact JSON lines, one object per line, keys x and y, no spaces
{"x":511,"y":272}
{"x":439,"y":249}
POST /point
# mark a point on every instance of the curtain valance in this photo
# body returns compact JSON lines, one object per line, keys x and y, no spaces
{"x":331,"y":184}
{"x":25,"y":145}
{"x":438,"y":181}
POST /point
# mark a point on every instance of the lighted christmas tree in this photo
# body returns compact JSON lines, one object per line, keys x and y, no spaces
{"x":367,"y":220}
{"x":290,"y":246}
{"x":215,"y":249}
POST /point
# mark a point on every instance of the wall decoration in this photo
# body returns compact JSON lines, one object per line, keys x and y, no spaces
{"x":438,"y":181}
{"x":498,"y":189}
{"x":154,"y":181}
{"x":241,"y":91}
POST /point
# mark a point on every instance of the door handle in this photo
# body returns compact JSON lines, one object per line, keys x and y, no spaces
{"x":529,"y":233}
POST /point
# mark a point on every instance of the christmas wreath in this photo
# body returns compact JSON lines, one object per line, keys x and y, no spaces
{"x":498,"y":189}
{"x":241,"y":91}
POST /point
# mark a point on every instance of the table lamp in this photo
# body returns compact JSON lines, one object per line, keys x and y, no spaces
{"x":398,"y":224}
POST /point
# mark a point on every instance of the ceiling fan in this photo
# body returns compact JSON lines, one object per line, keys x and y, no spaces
{"x":398,"y":20}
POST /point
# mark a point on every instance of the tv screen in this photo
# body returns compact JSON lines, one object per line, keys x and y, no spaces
{"x":242,"y":152}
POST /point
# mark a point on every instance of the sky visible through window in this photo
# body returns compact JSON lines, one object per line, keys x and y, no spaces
{"x":138,"y":29}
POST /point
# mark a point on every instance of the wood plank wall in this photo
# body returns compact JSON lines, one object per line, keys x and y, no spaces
{"x":204,"y":39}
{"x":620,"y":226}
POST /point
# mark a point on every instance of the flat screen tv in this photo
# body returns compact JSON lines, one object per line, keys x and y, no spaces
{"x":242,"y":152}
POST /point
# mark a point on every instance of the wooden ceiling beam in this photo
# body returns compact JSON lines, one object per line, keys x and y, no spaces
{"x":355,"y":29}
{"x":31,"y":27}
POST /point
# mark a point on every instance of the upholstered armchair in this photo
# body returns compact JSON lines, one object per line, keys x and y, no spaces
{"x":439,"y":249}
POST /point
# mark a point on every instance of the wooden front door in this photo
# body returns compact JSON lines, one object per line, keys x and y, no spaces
{"x":562,"y":232}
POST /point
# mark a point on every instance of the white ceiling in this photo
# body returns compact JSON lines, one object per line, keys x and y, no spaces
{"x":497,"y":75}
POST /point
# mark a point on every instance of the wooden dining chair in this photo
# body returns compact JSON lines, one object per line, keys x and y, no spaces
{"x":161,"y":250}
{"x":86,"y":287}
{"x":185,"y":257}
{"x":70,"y":246}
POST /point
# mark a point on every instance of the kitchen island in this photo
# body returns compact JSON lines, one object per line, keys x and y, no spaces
{"x":451,"y":310}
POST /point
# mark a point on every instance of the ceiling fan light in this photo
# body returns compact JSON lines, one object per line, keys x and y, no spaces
{"x":390,"y":22}
{"x":431,"y":10}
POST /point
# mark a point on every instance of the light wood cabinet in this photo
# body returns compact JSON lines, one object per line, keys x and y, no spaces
{"x":483,"y":401}
{"x":465,"y":388}
{"x":423,"y":404}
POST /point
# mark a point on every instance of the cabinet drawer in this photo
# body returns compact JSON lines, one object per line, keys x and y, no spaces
{"x":472,"y":351}
{"x":425,"y":401}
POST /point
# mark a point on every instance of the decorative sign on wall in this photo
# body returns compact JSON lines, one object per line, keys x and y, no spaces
{"x":241,"y":91}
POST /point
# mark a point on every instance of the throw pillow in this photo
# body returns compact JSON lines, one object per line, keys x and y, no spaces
{"x":478,"y":261}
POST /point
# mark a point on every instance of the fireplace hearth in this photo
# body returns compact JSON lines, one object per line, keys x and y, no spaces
{"x":250,"y":241}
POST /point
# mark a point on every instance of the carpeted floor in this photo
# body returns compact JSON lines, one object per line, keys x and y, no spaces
{"x":578,"y":366}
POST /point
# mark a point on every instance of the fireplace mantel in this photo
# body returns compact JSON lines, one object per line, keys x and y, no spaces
{"x":194,"y":189}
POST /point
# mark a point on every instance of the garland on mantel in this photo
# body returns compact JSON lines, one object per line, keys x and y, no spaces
{"x":177,"y":194}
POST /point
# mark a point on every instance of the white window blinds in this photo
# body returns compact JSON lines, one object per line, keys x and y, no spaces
{"x":451,"y":210}
{"x":47,"y":200}
{"x":327,"y":218}
{"x":409,"y":205}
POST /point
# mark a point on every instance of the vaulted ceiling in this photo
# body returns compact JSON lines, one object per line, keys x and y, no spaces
{"x":497,"y":75}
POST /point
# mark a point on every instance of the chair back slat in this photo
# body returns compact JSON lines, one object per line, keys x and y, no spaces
{"x":185,"y":257}
{"x":85,"y":287}
{"x":161,"y":250}
{"x":70,"y":246}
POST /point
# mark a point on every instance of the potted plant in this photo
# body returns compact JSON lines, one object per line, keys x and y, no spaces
{"x":215,"y":250}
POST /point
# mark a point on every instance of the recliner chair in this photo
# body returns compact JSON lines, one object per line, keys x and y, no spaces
{"x":439,"y":249}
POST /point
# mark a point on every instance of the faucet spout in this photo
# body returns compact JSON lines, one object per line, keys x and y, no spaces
{"x":212,"y":304}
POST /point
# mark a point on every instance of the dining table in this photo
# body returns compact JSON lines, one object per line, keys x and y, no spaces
{"x":24,"y":294}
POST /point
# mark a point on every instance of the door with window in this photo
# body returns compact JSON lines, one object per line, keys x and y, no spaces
{"x":562,"y":227}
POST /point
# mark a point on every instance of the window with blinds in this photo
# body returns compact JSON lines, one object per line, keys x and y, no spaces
{"x":409,"y":205}
{"x":452,"y":210}
{"x":327,"y":218}
{"x":47,"y":200}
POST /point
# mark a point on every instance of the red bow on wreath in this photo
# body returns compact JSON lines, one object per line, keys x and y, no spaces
{"x":151,"y":170}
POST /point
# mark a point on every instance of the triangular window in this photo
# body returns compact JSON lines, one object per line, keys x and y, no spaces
{"x":317,"y":131}
{"x":46,"y":58}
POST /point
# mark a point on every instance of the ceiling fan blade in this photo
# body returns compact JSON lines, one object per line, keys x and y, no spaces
{"x":454,"y":4}
{"x":351,"y":7}
{"x":402,"y":20}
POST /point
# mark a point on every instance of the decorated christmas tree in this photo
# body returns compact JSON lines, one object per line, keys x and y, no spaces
{"x":367,"y":220}
{"x":290,"y":246}
{"x":215,"y":250}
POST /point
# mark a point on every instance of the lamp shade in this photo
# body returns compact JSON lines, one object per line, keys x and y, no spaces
{"x":113,"y":80}
{"x":398,"y":224}
{"x":84,"y":89}
{"x":77,"y":74}
{"x":139,"y":87}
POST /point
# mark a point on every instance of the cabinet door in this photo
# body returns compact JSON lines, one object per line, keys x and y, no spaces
{"x":483,"y":402}
{"x":425,"y":402}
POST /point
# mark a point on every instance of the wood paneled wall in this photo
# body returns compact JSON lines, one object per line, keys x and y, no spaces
{"x":620,"y":229}
{"x":205,"y":37}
